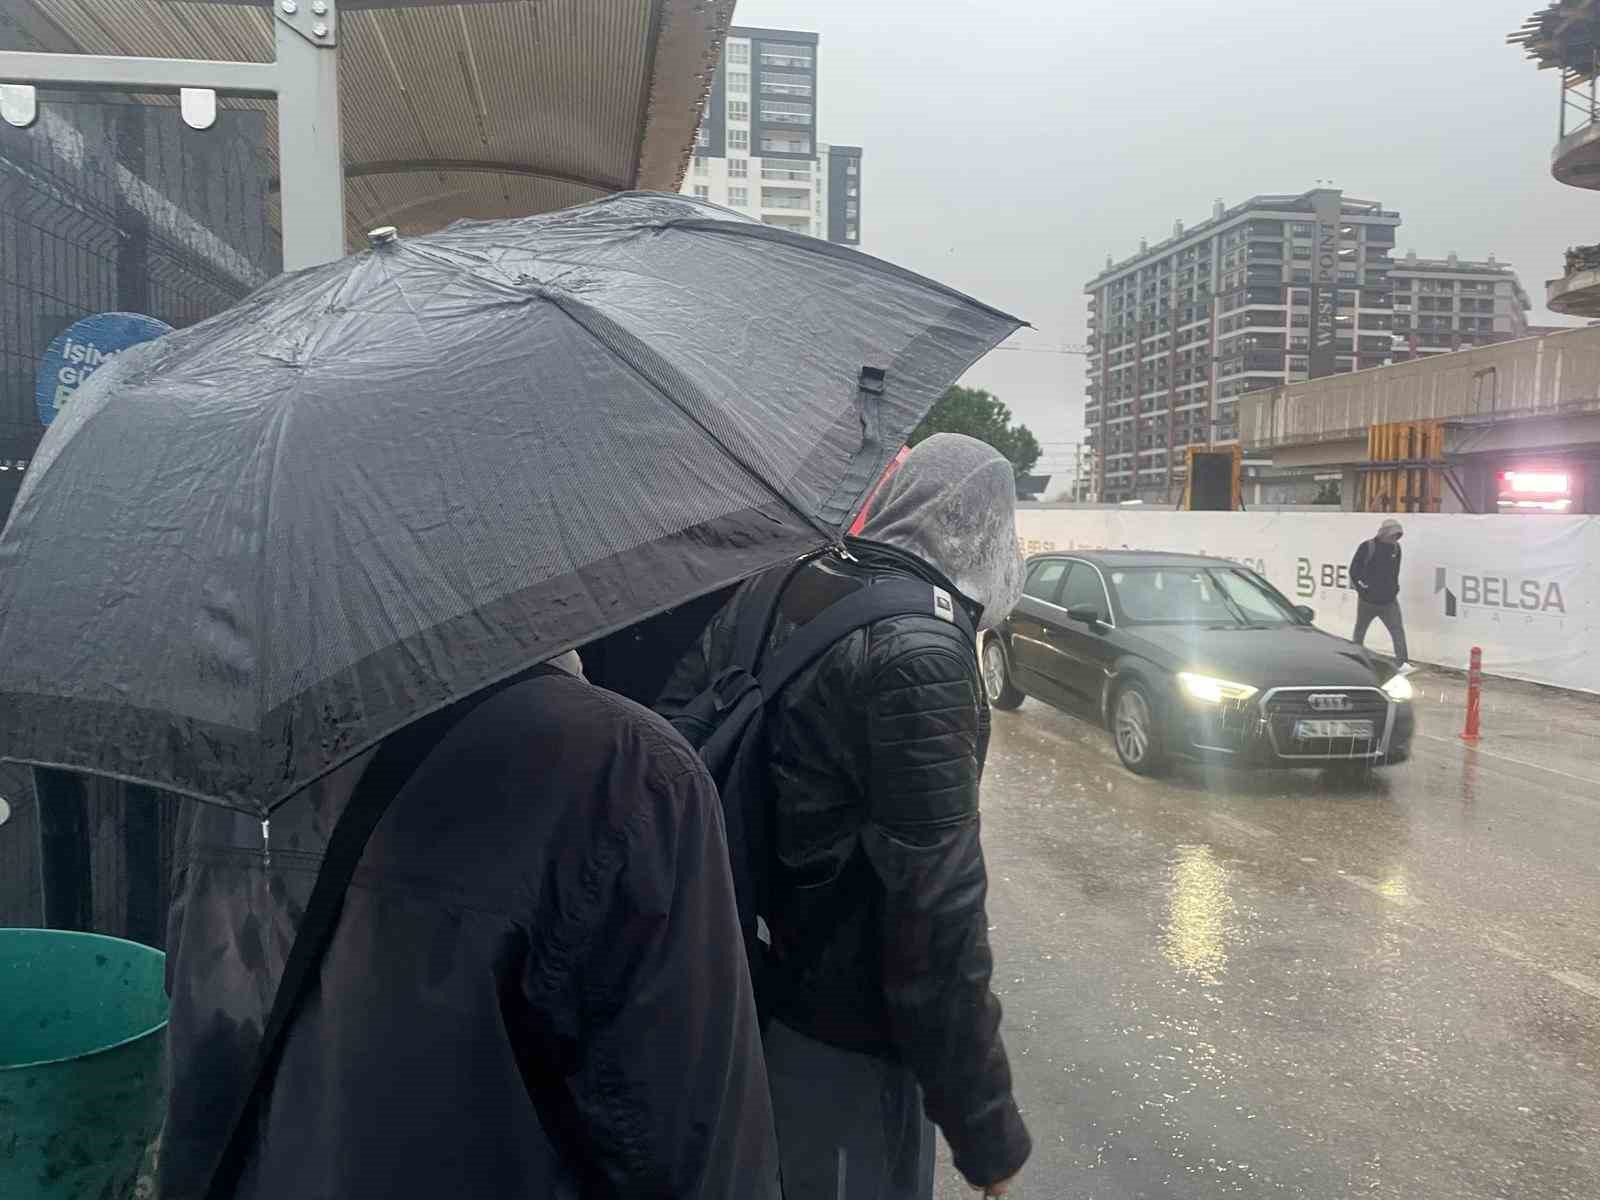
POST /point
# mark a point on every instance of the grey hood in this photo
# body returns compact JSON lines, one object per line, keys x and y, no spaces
{"x":953,"y":504}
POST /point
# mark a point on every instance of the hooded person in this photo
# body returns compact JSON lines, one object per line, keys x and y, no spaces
{"x":1375,"y":575}
{"x":527,"y":992}
{"x":887,"y":1026}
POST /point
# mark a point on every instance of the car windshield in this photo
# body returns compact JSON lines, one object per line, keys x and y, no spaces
{"x":1198,"y":596}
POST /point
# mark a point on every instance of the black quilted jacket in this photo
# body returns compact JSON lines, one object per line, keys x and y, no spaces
{"x":876,"y":754}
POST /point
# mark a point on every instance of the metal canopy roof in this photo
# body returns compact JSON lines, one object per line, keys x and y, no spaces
{"x":456,"y":110}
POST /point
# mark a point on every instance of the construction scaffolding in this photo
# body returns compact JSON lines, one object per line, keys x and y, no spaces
{"x":1406,"y":472}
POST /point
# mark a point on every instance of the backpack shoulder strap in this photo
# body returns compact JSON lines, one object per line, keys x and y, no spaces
{"x":756,"y":615}
{"x":863,"y":607}
{"x":396,"y":761}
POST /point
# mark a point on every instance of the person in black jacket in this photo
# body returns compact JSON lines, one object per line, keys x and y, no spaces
{"x":534,"y":989}
{"x":1375,"y":575}
{"x":876,"y":753}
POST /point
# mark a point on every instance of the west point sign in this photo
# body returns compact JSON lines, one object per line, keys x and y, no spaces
{"x":1324,"y":285}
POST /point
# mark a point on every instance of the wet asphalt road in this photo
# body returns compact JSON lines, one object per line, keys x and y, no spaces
{"x":1278,"y":986}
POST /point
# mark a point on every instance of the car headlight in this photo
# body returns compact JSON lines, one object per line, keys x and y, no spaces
{"x":1399,"y":689}
{"x":1213,"y":691}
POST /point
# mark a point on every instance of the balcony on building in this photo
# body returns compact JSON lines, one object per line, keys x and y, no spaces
{"x":776,"y":83}
{"x":1576,"y":159}
{"x":787,"y":199}
{"x":1577,"y":293}
{"x":787,"y":170}
{"x":792,"y":57}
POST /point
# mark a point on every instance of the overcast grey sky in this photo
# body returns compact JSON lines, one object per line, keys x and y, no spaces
{"x":1009,"y":147}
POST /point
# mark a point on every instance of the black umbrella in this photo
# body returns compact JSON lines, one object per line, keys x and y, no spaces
{"x":251,"y":549}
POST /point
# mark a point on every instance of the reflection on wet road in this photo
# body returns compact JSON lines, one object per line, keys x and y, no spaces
{"x":1281,"y":985}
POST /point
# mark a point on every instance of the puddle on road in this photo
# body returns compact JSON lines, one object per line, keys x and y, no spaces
{"x":1201,"y":917}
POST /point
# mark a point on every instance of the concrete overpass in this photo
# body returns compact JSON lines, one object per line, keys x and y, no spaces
{"x":1531,"y":404}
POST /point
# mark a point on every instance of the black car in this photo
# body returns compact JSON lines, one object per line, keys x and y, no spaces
{"x":1180,"y":655}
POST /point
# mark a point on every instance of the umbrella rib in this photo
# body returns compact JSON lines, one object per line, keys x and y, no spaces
{"x":565,"y":305}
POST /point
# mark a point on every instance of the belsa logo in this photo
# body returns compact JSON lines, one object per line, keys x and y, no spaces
{"x":1499,"y":592}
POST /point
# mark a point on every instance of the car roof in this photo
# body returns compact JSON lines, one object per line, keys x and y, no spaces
{"x":1139,"y":558}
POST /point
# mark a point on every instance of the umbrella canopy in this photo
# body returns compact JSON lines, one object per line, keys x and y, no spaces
{"x":249,"y":550}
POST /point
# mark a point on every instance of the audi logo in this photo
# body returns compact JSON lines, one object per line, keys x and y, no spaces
{"x":1329,"y":702}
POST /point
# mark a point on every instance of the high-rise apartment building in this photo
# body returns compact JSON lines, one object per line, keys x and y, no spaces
{"x":1444,"y":304}
{"x":1274,"y":289}
{"x":758,"y":149}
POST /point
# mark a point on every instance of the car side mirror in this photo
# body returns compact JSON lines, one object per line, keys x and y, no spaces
{"x":1087,"y":613}
{"x":1308,"y":613}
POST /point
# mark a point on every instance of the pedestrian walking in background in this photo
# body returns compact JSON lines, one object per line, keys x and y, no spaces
{"x":878,"y":983}
{"x":1375,"y":575}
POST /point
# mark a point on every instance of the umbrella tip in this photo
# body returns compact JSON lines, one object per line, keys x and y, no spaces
{"x":382,"y":236}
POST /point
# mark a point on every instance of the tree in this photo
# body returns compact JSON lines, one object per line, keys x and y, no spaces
{"x":978,"y":414}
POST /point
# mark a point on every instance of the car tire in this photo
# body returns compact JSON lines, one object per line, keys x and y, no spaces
{"x":1136,"y":730}
{"x":997,"y":685}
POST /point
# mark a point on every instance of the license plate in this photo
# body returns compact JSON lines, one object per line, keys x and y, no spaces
{"x":1308,"y":730}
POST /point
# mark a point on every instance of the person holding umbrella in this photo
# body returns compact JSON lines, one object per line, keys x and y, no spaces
{"x":530,"y":990}
{"x":453,"y":922}
{"x":883,"y":1024}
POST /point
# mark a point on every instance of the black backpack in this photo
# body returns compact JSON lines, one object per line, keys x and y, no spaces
{"x":726,"y":724}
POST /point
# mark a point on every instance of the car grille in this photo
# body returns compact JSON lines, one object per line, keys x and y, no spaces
{"x":1285,"y":706}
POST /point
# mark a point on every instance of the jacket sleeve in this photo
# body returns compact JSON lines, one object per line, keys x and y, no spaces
{"x":1358,"y":567}
{"x":670,"y":1089}
{"x":923,"y":729}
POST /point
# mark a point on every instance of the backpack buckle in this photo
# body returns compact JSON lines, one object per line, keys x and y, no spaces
{"x":732,"y":686}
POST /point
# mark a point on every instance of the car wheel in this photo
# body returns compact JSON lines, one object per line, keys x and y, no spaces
{"x":997,"y":676}
{"x":1137,"y":730}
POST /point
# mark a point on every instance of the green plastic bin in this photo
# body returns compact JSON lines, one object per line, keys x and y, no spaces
{"x":83,"y":1034}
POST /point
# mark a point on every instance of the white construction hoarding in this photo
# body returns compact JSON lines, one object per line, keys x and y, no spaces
{"x":1525,"y":589}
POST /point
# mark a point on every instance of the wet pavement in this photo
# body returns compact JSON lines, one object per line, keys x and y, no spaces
{"x":1278,"y":985}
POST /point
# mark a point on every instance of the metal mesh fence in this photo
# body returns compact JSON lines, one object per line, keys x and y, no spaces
{"x":109,"y":205}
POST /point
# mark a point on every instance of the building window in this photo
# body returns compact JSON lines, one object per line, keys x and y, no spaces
{"x":781,"y":112}
{"x":738,"y":197}
{"x":739,"y":53}
{"x":1302,"y":275}
{"x":1347,"y":276}
{"x":781,"y":54}
{"x":739,"y":110}
{"x":785,"y":198}
{"x":738,"y":168}
{"x":739,"y":83}
{"x":780,"y":84}
{"x":738,"y":139}
{"x":850,"y":168}
{"x":701,"y":166}
{"x":786,"y":168}
{"x":851,"y":233}
{"x":702,"y":192}
{"x":702,"y":137}
{"x":777,"y":143}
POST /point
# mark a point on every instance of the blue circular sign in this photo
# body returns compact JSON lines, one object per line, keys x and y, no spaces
{"x":80,"y":349}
